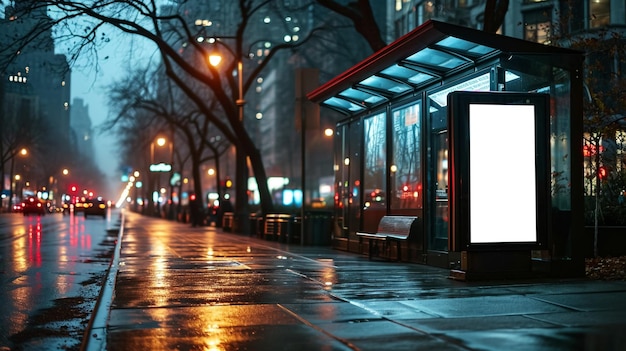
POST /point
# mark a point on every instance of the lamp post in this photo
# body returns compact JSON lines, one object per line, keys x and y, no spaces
{"x":23,"y":152}
{"x":241,"y":169}
{"x":160,"y":141}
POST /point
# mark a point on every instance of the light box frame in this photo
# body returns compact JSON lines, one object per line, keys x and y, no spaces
{"x":523,"y":118}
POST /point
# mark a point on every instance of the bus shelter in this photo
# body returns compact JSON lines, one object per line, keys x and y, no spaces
{"x":402,"y":149}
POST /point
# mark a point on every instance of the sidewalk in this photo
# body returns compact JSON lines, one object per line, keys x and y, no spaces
{"x":183,"y":288}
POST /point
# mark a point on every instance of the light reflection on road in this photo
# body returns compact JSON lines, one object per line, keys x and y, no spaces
{"x":42,"y":259}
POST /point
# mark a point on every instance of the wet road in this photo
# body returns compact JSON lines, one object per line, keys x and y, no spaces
{"x":51,"y":271}
{"x":182,"y":288}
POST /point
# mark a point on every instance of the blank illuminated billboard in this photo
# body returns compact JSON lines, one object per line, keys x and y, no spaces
{"x":502,"y":173}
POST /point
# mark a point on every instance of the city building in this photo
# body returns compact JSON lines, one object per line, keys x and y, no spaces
{"x":35,"y":93}
{"x":80,"y":123}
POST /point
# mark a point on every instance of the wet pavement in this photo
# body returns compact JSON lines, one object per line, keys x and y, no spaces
{"x":51,"y":269}
{"x":183,"y":288}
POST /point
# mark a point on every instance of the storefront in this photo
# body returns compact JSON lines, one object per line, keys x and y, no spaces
{"x":393,"y":149}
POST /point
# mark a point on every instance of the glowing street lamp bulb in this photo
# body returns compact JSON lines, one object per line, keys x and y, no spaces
{"x":215,"y":60}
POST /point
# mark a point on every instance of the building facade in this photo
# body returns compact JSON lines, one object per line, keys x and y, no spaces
{"x":36,"y":94}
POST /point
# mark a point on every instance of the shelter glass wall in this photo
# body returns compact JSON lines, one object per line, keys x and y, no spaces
{"x":406,"y":158}
{"x":374,"y":170}
{"x":348,"y":166}
{"x":543,"y":78}
{"x":438,"y":223}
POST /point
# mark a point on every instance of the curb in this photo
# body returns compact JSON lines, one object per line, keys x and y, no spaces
{"x":94,"y":338}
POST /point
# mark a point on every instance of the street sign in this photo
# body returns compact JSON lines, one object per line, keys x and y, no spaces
{"x":160,"y":167}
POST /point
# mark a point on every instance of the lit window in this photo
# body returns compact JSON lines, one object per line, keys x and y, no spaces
{"x":537,"y":25}
{"x":600,"y":13}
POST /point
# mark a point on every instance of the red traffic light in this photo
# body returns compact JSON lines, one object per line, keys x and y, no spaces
{"x":602,"y":173}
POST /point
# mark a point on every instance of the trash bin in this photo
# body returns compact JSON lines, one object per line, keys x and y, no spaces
{"x":227,"y":221}
{"x":277,"y":226}
{"x":318,"y":227}
{"x":256,"y":225}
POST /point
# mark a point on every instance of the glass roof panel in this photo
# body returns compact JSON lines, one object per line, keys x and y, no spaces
{"x":379,"y":83}
{"x":436,"y":58}
{"x":404,"y":73}
{"x":359,"y":95}
{"x":343,"y":104}
{"x":457,"y":44}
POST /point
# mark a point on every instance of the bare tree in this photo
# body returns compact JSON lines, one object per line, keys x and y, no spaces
{"x":140,"y":97}
{"x":361,"y":14}
{"x":85,"y":26}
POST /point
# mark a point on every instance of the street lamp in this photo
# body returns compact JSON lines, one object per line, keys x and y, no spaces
{"x":159,"y":168}
{"x":241,"y":166}
{"x":22,"y":152}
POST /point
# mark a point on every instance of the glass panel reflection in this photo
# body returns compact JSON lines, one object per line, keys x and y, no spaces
{"x":374,"y":171}
{"x":407,"y":74}
{"x":473,"y":49}
{"x":343,"y":104}
{"x":379,"y":83}
{"x":359,"y":95}
{"x":436,"y":58}
{"x":406,"y":175}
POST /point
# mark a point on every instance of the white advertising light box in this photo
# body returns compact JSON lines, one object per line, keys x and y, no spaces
{"x":498,"y":150}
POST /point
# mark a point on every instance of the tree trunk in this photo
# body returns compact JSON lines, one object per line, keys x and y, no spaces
{"x":267,"y":204}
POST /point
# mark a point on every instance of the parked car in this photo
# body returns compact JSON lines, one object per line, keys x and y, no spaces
{"x":33,"y":205}
{"x":97,"y":207}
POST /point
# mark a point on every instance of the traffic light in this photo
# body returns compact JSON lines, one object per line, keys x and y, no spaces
{"x":229,"y":183}
{"x":602,"y":173}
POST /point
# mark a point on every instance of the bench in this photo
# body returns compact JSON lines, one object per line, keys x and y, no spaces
{"x":391,"y":229}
